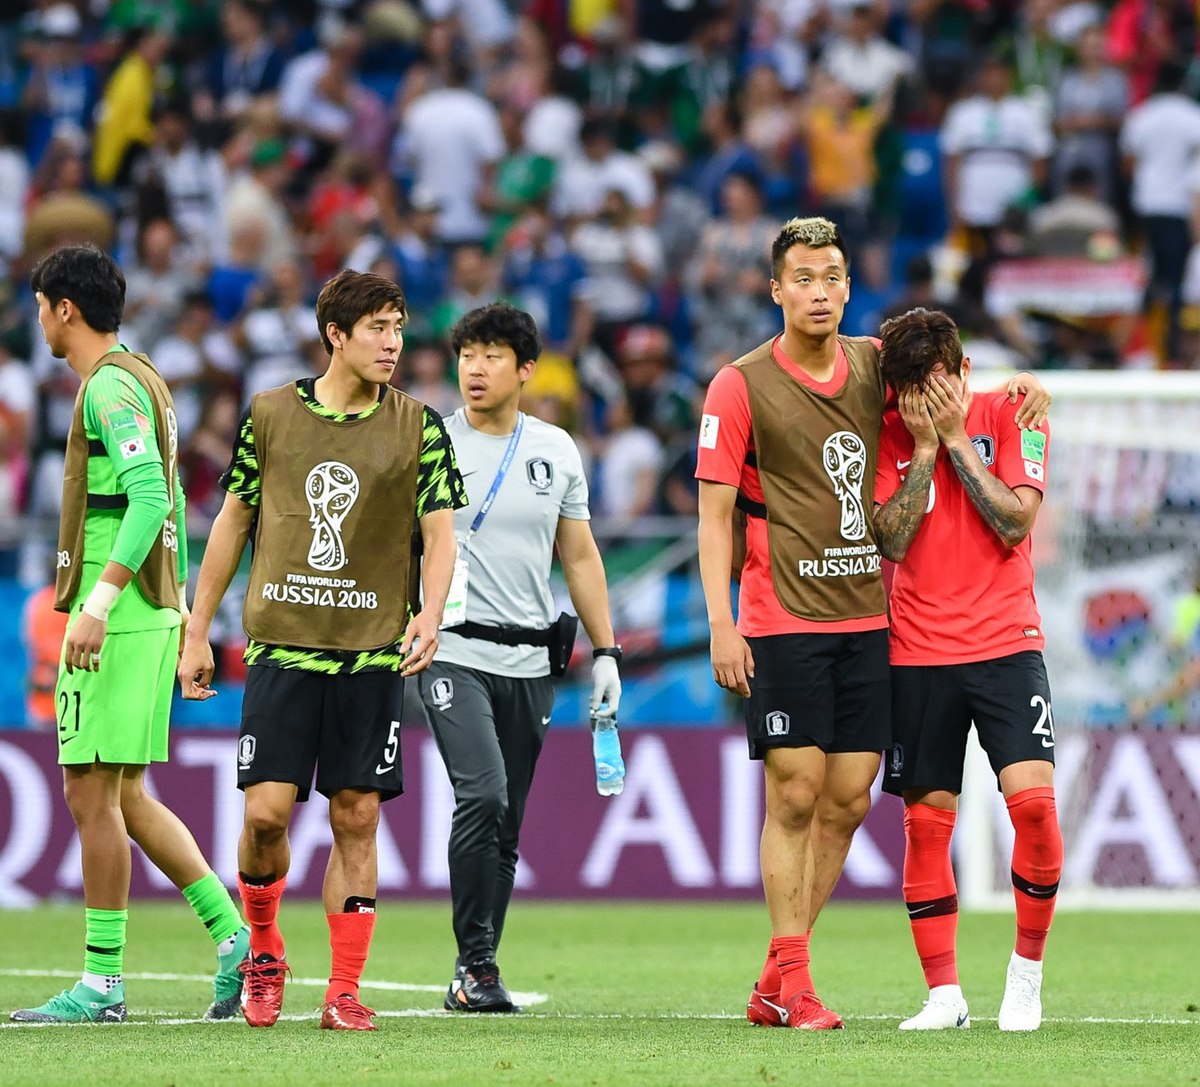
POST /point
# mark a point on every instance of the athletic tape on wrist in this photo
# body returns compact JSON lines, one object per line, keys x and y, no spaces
{"x":100,"y":600}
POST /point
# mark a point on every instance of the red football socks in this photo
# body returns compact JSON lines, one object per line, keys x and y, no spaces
{"x":769,"y":980}
{"x":929,"y":891}
{"x":1036,"y":866}
{"x":260,"y":903}
{"x":350,"y":939}
{"x":792,"y":957}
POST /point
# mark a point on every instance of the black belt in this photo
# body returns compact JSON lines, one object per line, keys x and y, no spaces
{"x":503,"y":635}
{"x":750,"y":507}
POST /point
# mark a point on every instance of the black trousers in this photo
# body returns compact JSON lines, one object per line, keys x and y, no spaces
{"x":1169,"y":241}
{"x":489,"y":730}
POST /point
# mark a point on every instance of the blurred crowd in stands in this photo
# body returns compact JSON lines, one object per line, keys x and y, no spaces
{"x":617,"y":167}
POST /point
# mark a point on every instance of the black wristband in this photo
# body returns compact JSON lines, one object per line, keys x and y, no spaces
{"x":613,"y":651}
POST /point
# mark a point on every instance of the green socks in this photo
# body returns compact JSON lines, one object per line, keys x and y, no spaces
{"x":210,"y":899}
{"x":104,"y":950}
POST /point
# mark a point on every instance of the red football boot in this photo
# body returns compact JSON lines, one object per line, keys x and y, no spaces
{"x":346,"y":1013}
{"x":262,"y":990}
{"x":766,"y":1011}
{"x":806,"y":1012}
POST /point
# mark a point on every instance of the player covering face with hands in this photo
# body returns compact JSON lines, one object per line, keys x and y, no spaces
{"x":338,"y":477}
{"x":958,"y":490}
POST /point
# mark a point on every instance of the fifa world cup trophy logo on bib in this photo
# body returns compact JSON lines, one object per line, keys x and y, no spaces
{"x":331,"y":489}
{"x":844,"y":456}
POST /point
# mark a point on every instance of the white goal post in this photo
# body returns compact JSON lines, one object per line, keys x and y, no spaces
{"x":1117,"y":553}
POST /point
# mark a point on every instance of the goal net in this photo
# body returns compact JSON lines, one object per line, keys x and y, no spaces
{"x":1117,"y":553}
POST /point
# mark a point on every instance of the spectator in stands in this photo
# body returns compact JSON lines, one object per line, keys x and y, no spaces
{"x":549,"y":280}
{"x":124,"y":118}
{"x":256,"y":196}
{"x":205,"y":456}
{"x":601,"y":168}
{"x":449,"y":142}
{"x":424,"y":373}
{"x":624,"y":261}
{"x":1144,"y":35}
{"x":660,"y":396}
{"x":729,"y":276}
{"x":521,"y":178}
{"x":322,"y":98}
{"x":61,"y":210}
{"x":196,"y":361}
{"x":1159,"y":140}
{"x":727,"y":151}
{"x":278,"y":332}
{"x":474,"y":281}
{"x":420,"y":254}
{"x":60,"y":89}
{"x":859,"y":57}
{"x":994,"y":148}
{"x":1078,"y":223}
{"x":1036,"y":54}
{"x":629,"y":467}
{"x":155,"y":287}
{"x":17,"y":401}
{"x":1091,"y":102}
{"x":678,"y":214}
{"x":769,"y":123}
{"x":247,"y":66}
{"x":841,"y":137}
{"x":192,"y":179}
{"x":14,"y":187}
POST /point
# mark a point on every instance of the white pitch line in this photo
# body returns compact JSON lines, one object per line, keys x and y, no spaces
{"x":523,"y":999}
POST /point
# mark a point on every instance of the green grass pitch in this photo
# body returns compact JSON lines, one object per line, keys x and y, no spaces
{"x":633,"y":995}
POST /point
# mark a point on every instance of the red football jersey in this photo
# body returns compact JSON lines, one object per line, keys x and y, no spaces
{"x":961,"y":595}
{"x":726,"y":437}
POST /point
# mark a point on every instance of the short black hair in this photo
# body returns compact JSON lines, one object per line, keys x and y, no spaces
{"x":913,"y":344}
{"x":502,"y":324}
{"x":88,"y":277}
{"x":350,"y":296}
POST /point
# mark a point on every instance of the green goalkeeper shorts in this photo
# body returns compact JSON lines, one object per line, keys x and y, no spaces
{"x":122,"y":713}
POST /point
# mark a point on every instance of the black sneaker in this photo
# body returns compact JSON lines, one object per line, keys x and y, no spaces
{"x":479,"y":989}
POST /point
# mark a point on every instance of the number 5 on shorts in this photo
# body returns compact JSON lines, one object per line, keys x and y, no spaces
{"x":1045,"y":722}
{"x":390,"y":750}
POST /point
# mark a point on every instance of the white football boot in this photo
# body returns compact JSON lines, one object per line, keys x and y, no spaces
{"x":946,"y":1009}
{"x":1021,"y":1008}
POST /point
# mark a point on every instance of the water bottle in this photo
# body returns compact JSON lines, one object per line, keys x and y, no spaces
{"x":606,"y":747}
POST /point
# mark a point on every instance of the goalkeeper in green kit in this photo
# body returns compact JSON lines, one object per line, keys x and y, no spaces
{"x":122,"y":565}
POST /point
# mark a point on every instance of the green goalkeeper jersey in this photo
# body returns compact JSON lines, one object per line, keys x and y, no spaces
{"x":117,"y":411}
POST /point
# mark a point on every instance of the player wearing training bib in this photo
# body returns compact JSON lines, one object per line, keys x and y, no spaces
{"x":489,"y":695}
{"x":332,"y":475}
{"x":788,"y":443}
{"x":122,"y":559}
{"x":958,"y":488}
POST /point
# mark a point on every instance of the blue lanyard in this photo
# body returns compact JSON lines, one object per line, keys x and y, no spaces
{"x":501,"y":472}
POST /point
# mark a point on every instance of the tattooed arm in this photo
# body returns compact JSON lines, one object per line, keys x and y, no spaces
{"x":1008,"y":513}
{"x":897,"y":520}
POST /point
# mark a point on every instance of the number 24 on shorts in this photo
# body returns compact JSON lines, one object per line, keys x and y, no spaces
{"x":1045,"y":722}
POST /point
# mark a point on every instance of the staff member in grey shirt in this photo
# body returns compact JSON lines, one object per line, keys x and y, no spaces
{"x":489,"y":693}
